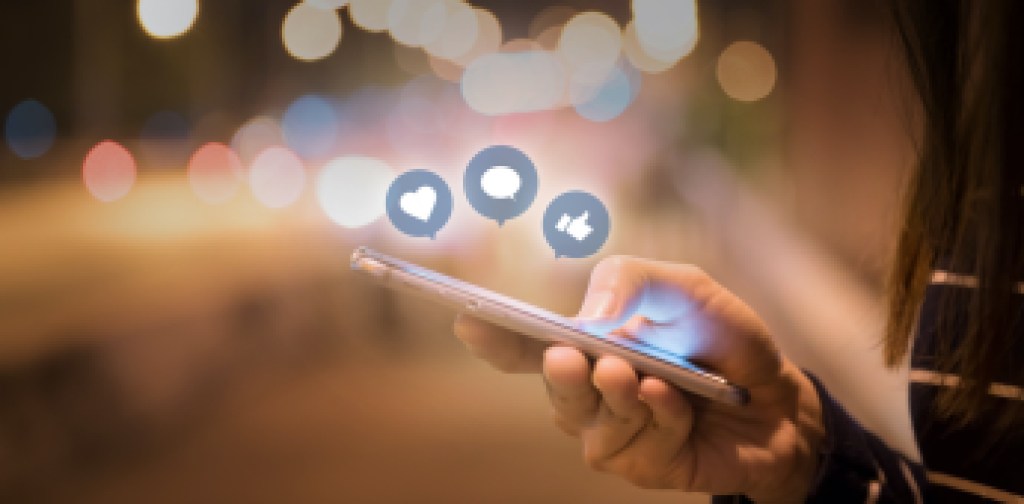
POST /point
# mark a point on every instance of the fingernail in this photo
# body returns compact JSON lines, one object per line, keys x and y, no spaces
{"x":598,"y":306}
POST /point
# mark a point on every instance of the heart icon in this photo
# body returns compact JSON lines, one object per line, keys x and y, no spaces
{"x":420,"y":203}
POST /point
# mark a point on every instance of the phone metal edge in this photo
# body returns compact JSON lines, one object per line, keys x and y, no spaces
{"x":395,"y":272}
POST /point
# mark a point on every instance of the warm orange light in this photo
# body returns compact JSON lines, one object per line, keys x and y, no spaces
{"x":746,"y":71}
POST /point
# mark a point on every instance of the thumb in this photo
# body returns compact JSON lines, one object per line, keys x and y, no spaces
{"x":615,"y":292}
{"x":622,"y":286}
{"x":683,"y":308}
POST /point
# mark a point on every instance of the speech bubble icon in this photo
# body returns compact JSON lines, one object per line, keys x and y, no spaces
{"x":576,"y":224}
{"x":500,"y":182}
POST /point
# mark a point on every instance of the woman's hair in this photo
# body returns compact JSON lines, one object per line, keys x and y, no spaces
{"x":965,"y":202}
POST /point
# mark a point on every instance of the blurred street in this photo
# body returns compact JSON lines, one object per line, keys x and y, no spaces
{"x":182,"y":182}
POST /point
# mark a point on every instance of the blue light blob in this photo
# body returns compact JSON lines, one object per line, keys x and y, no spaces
{"x":30,"y":129}
{"x":310,"y":126}
{"x":612,"y":97}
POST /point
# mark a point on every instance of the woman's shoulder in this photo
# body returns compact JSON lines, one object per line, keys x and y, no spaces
{"x":957,"y":469}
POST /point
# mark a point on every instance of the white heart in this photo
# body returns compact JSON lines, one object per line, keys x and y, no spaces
{"x":419,"y":204}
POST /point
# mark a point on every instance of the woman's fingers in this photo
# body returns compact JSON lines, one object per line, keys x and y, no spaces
{"x":658,"y":456}
{"x":508,"y":351}
{"x":567,"y":376}
{"x":621,"y":415}
{"x":672,"y":412}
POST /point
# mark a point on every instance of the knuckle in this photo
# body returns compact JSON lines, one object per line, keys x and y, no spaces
{"x":566,"y":425}
{"x":594,"y":464}
{"x":613,"y":265}
{"x":595,"y":461}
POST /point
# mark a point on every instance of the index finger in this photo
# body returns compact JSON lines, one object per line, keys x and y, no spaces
{"x":506,"y":350}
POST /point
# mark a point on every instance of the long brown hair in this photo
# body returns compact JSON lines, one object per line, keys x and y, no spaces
{"x":965,"y":202}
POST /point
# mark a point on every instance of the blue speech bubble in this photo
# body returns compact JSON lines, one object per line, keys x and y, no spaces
{"x":500,"y":182}
{"x":576,"y":224}
{"x":419,"y":203}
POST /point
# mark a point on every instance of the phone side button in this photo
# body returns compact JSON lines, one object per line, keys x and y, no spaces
{"x":472,"y":305}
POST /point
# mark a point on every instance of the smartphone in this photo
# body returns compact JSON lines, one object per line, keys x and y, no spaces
{"x":534,"y":322}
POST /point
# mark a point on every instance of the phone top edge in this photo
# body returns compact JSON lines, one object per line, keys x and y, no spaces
{"x":388,"y":269}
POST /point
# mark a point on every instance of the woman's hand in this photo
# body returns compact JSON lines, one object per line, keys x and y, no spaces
{"x":649,"y":432}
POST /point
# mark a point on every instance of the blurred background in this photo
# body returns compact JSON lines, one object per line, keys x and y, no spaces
{"x":182,"y":181}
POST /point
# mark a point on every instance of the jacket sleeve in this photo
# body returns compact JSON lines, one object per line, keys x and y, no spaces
{"x":855,"y":466}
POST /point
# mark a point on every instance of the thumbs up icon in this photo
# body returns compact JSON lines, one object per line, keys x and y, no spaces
{"x":575,"y":227}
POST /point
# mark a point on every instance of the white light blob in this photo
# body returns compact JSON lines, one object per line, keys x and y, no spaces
{"x":590,"y":46}
{"x":352,"y":190}
{"x":163,"y":19}
{"x":327,"y":4}
{"x":461,"y":29}
{"x":639,"y":58}
{"x":416,"y":22}
{"x":513,"y":82}
{"x":370,"y":15}
{"x":488,"y":37}
{"x":666,"y":29}
{"x":310,"y":33}
{"x":277,"y":177}
{"x":254,"y":136}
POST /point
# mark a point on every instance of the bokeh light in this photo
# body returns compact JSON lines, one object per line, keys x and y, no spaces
{"x":254,"y":136}
{"x":351,"y":190}
{"x":421,"y":118}
{"x":461,"y":29}
{"x":215,"y":173}
{"x":666,"y":30}
{"x":590,"y":46}
{"x":416,"y":22}
{"x":327,"y":4}
{"x":610,"y":98}
{"x":746,"y":71}
{"x":30,"y":129}
{"x":513,"y":82}
{"x":277,"y":177}
{"x":108,"y":171}
{"x":555,"y":16}
{"x":164,"y":19}
{"x":488,"y":36}
{"x":310,"y":33}
{"x":639,"y":58}
{"x":370,"y":15}
{"x":310,"y":126}
{"x":445,"y":69}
